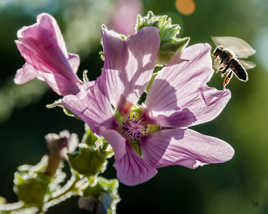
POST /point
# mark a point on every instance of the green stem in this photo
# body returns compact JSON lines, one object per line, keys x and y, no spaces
{"x":66,"y":192}
{"x":67,"y":188}
{"x":12,"y":206}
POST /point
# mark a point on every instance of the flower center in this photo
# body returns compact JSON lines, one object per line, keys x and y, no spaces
{"x":133,"y":130}
{"x":134,"y":127}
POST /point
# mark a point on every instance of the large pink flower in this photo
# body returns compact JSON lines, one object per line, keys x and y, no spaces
{"x":43,"y":48}
{"x":155,"y":134}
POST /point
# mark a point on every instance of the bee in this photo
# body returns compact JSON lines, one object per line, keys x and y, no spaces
{"x":228,"y":54}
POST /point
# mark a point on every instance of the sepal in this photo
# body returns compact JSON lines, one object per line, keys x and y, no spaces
{"x":58,"y":103}
{"x":96,"y":142}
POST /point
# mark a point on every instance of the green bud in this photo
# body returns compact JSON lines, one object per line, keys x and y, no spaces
{"x":101,"y":53}
{"x":31,"y":187}
{"x":101,"y":196}
{"x":34,"y":186}
{"x":170,"y":42}
{"x":87,"y":160}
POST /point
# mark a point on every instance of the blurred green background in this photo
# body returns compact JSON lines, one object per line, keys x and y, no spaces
{"x":239,"y":186}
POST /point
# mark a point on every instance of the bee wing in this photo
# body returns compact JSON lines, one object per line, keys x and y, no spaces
{"x":240,"y":48}
{"x":247,"y":64}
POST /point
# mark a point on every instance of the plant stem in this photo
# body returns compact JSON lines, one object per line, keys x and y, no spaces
{"x":12,"y":206}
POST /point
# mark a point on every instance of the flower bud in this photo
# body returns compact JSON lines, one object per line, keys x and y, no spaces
{"x":88,"y":161}
{"x":100,"y":197}
{"x":31,"y":183}
{"x":170,"y":42}
{"x":58,"y":146}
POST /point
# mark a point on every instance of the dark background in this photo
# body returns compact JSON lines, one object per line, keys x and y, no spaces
{"x":238,"y":186}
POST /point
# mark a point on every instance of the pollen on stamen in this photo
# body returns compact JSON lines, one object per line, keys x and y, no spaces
{"x":133,"y":130}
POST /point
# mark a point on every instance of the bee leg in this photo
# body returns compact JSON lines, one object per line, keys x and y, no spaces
{"x":221,"y":68}
{"x":217,"y":64}
{"x":225,"y":70}
{"x":227,"y":79}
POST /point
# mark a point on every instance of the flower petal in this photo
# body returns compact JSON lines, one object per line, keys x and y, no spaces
{"x":43,"y":47}
{"x":188,"y":71}
{"x":46,"y":29}
{"x":116,"y":140}
{"x":92,"y":107}
{"x":132,"y":169}
{"x":185,"y":147}
{"x":128,"y":63}
{"x":111,"y":85}
{"x":142,"y":55}
{"x":129,"y":9}
{"x":57,"y":82}
{"x":115,"y":53}
{"x":183,"y":118}
{"x":182,"y":86}
{"x":74,"y":61}
{"x":155,"y":145}
{"x":207,"y":103}
{"x":25,"y":74}
{"x":202,"y":106}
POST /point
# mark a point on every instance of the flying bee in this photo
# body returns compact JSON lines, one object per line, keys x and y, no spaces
{"x":228,"y":54}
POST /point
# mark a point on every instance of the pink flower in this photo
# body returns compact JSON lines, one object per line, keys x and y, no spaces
{"x":125,"y":16}
{"x":43,"y":48}
{"x":157,"y":134}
